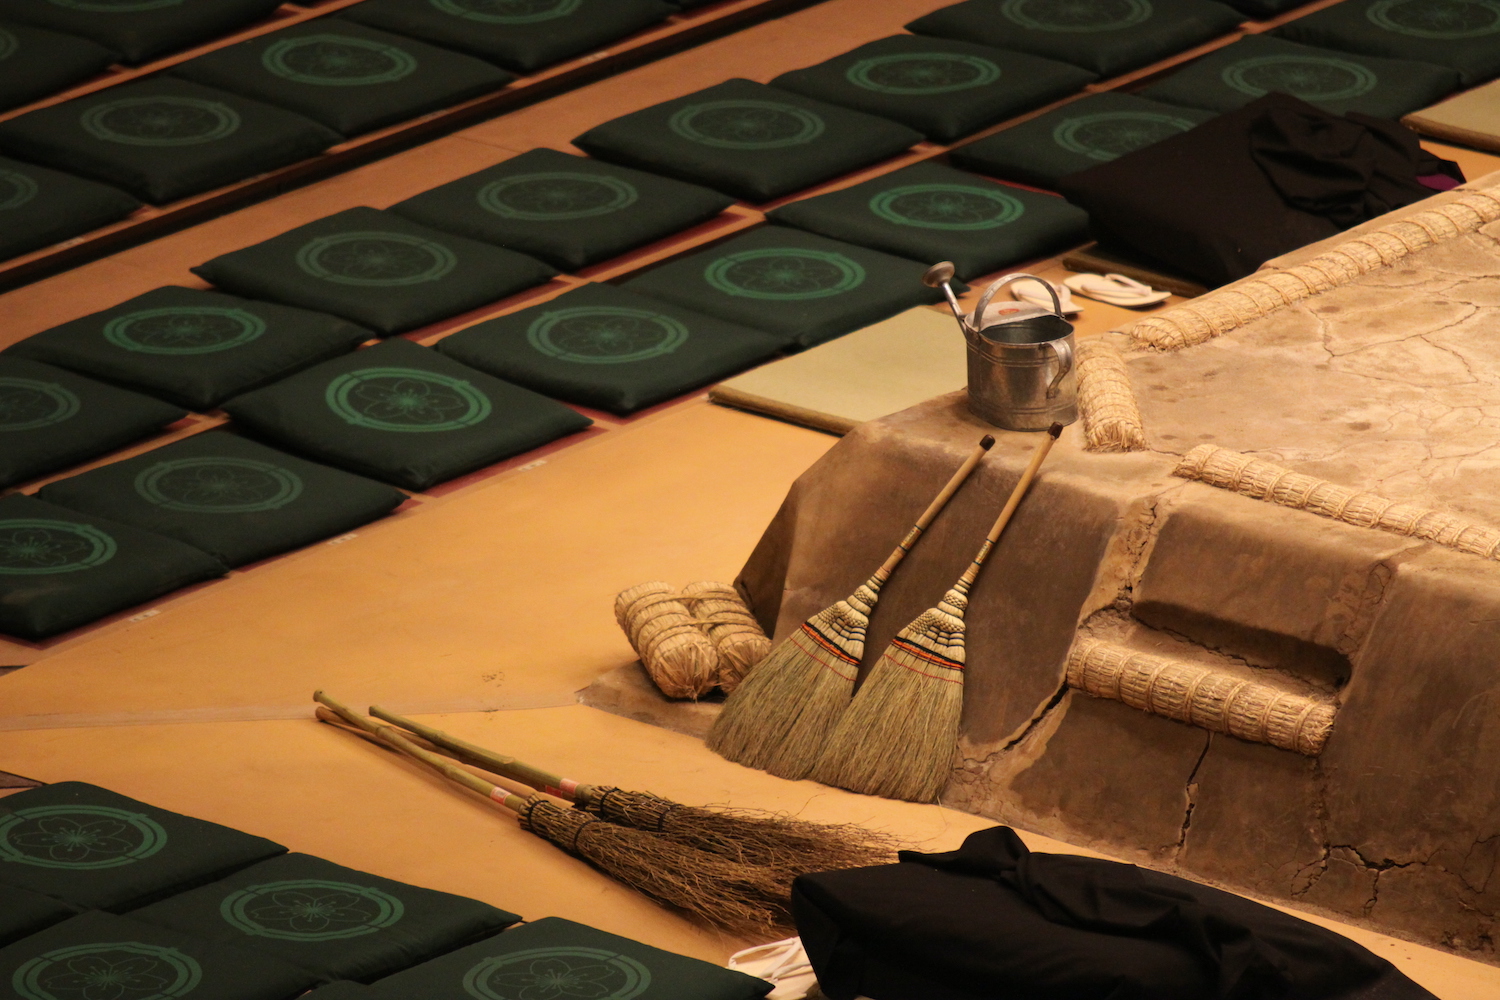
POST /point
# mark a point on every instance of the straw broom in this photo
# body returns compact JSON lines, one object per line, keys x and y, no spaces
{"x":782,"y":711}
{"x":897,"y":738}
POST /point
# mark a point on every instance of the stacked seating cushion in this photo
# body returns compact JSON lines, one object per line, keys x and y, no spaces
{"x":930,"y":213}
{"x":1334,"y":81}
{"x":24,"y":912}
{"x":102,"y":850}
{"x":349,"y":77}
{"x":607,"y":347}
{"x":404,"y":414}
{"x":804,"y":288}
{"x":1105,"y":36}
{"x":747,"y":139}
{"x":522,"y":35}
{"x":163,"y":139}
{"x":335,"y":922}
{"x":569,"y":211}
{"x":192,"y":347}
{"x":237,"y":500}
{"x":50,"y":418}
{"x":1463,"y":35}
{"x":944,"y":89}
{"x":545,"y":957}
{"x":141,"y":29}
{"x":35,"y":62}
{"x":40,"y":207}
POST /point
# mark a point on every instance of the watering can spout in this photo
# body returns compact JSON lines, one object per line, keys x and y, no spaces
{"x":938,"y":276}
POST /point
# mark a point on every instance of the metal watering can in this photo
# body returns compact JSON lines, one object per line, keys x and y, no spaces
{"x":1021,"y":374}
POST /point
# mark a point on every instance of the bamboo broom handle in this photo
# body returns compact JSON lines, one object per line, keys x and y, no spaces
{"x":1037,"y":458}
{"x":934,"y":508}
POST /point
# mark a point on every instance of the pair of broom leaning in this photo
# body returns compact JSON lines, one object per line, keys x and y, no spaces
{"x":797,"y":715}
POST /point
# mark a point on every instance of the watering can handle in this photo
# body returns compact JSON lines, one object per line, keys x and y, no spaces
{"x":989,"y":293}
{"x":1062,"y":351}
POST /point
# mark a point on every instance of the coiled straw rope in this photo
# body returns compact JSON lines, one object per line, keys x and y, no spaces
{"x":1111,"y":419}
{"x":679,"y":657}
{"x":735,"y":633}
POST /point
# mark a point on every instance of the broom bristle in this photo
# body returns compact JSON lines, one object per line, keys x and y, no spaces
{"x":823,"y":704}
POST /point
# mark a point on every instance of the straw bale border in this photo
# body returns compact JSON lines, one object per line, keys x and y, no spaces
{"x":1111,"y":419}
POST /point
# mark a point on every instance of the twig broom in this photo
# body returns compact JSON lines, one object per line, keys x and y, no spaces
{"x":897,"y":738}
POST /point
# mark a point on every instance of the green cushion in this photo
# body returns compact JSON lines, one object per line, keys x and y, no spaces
{"x":40,"y":207}
{"x":404,"y":414}
{"x":747,"y":139}
{"x":50,"y":418}
{"x":943,"y":89}
{"x":1337,"y":82}
{"x":930,"y":213}
{"x":1461,"y":34}
{"x":99,"y":956}
{"x":523,"y":35}
{"x":35,"y":62}
{"x":569,"y":211}
{"x":375,"y":268}
{"x":607,"y":347}
{"x":340,"y":991}
{"x":1087,"y":132}
{"x":1105,"y":36}
{"x":99,"y":849}
{"x":804,"y":288}
{"x":192,"y":347}
{"x":24,"y":912}
{"x":349,"y":77}
{"x":234,"y":499}
{"x":556,"y":959}
{"x":163,"y":139}
{"x":141,"y":29}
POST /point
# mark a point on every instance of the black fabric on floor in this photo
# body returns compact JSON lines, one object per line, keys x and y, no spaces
{"x":375,"y":268}
{"x":142,"y":29}
{"x":163,"y":139}
{"x":40,"y":207}
{"x":192,"y":347}
{"x":943,"y":89}
{"x":1105,"y":36}
{"x":570,"y":211}
{"x":234,"y":499}
{"x":340,"y":991}
{"x":1461,"y":34}
{"x":24,"y":912}
{"x":404,"y":414}
{"x":100,"y":849}
{"x":521,"y":35}
{"x":748,"y":140}
{"x":35,"y":62}
{"x":51,"y":418}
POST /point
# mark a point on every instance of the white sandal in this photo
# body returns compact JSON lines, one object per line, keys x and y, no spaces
{"x":783,"y":963}
{"x":1116,"y":290}
{"x":1033,"y":293}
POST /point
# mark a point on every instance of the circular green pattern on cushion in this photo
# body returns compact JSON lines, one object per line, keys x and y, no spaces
{"x":785,"y":274}
{"x":9,"y":43}
{"x":556,"y":196}
{"x":310,"y":910}
{"x":1111,"y":134}
{"x":218,"y":485}
{"x":746,"y":124}
{"x":558,"y":974}
{"x":1312,"y":78}
{"x":337,"y":61}
{"x":376,"y":260}
{"x":16,"y":189}
{"x":184,"y":330}
{"x":27,"y":404}
{"x":160,"y":121}
{"x":1436,"y":18}
{"x":947,"y":206}
{"x":115,"y":6}
{"x":509,"y":11}
{"x":1077,"y":15}
{"x":39,"y":547}
{"x":922,"y":73}
{"x":118,"y":970}
{"x":605,"y":335}
{"x":78,"y":837}
{"x":406,"y":399}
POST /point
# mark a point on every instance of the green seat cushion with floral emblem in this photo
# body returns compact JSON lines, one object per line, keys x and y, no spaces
{"x":162,"y":139}
{"x":944,"y":89}
{"x":1463,"y":35}
{"x":335,"y":922}
{"x":51,"y":418}
{"x":569,"y":211}
{"x":929,"y":213}
{"x":40,"y":207}
{"x":193,"y":347}
{"x":558,"y":959}
{"x":24,"y":912}
{"x":748,"y":140}
{"x":603,"y":346}
{"x":141,"y":29}
{"x":341,"y":991}
{"x":102,"y":850}
{"x":35,"y":62}
{"x":376,"y":268}
{"x":404,"y":414}
{"x":349,"y":77}
{"x":237,"y":500}
{"x":521,"y":35}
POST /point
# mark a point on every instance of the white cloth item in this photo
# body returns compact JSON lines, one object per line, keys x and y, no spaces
{"x":782,"y":963}
{"x":1116,"y":289}
{"x":1033,"y":293}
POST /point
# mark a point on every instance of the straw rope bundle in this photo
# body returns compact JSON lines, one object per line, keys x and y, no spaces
{"x":1111,"y":419}
{"x":736,"y":635}
{"x":1249,"y":299}
{"x":1254,"y":477}
{"x":1201,"y":696}
{"x":679,"y":657}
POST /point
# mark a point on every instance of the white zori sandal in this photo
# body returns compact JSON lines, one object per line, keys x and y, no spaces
{"x":1033,"y":293}
{"x":1116,"y":290}
{"x":783,"y":963}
